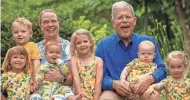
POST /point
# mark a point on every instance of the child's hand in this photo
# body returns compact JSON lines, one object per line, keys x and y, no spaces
{"x":33,"y":87}
{"x":150,"y":91}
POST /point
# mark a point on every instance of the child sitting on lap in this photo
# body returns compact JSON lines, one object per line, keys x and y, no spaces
{"x":140,"y":66}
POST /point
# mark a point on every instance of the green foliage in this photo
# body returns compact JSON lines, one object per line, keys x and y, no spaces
{"x":166,"y":44}
{"x":68,"y":14}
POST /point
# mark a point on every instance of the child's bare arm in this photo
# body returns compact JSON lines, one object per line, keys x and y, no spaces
{"x":124,"y":74}
{"x":99,"y":76}
{"x":36,"y":65}
{"x":158,"y":86}
{"x":155,"y":87}
{"x":75,"y":73}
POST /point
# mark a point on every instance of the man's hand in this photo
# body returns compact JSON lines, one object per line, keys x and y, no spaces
{"x":122,"y":87}
{"x":53,"y":75}
{"x":143,"y":83}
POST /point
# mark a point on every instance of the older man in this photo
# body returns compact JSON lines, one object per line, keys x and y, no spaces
{"x":119,"y":49}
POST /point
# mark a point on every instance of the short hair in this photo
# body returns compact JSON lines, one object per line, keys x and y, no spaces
{"x":121,"y":4}
{"x":50,"y":43}
{"x":46,"y":10}
{"x":73,"y":40}
{"x":177,"y":54}
{"x":146,"y":42}
{"x":16,"y":50}
{"x":25,"y":22}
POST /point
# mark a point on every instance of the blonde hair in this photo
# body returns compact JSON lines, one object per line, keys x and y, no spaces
{"x":146,"y":42}
{"x":24,"y":22}
{"x":73,"y":40}
{"x":179,"y":55}
{"x":50,"y":43}
{"x":16,"y":50}
{"x":121,"y":4}
{"x":43,"y":11}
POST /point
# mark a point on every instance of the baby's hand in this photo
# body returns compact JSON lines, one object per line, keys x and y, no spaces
{"x":150,"y":91}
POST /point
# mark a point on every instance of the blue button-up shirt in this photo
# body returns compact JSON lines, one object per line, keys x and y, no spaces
{"x":116,"y":55}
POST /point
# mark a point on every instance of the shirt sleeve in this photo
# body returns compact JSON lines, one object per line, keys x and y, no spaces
{"x":35,"y":52}
{"x":160,"y":73}
{"x":107,"y":83}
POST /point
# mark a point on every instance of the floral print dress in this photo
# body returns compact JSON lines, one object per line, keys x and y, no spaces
{"x":16,"y":85}
{"x":87,"y":76}
{"x":175,"y":90}
{"x":47,"y":88}
{"x":137,"y":68}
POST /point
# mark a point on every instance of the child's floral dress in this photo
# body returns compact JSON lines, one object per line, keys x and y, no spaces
{"x":47,"y":88}
{"x":16,"y":85}
{"x":175,"y":90}
{"x":87,"y":76}
{"x":137,"y":68}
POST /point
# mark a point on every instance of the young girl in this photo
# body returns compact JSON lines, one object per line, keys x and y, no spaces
{"x":21,"y":32}
{"x":16,"y":78}
{"x":177,"y":86}
{"x":87,"y":69}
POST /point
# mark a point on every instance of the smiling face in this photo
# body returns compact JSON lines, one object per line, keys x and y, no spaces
{"x":176,"y":67}
{"x":124,"y":22}
{"x":18,"y":63}
{"x":20,"y":33}
{"x":49,"y":24}
{"x":52,"y":53}
{"x":83,"y":44}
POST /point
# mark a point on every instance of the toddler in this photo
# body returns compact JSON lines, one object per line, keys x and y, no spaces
{"x":16,"y":77}
{"x":177,"y":86}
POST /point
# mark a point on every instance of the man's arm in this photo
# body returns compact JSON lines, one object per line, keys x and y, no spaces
{"x":160,"y":73}
{"x":107,"y":82}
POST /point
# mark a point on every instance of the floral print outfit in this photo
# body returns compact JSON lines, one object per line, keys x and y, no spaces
{"x":47,"y":89}
{"x":176,"y":90}
{"x":87,"y":76}
{"x":137,"y":68}
{"x":16,"y":85}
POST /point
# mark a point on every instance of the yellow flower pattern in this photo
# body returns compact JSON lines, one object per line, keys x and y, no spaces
{"x":177,"y":91}
{"x":47,"y":89}
{"x":87,"y":76}
{"x":137,"y":68}
{"x":16,"y":85}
